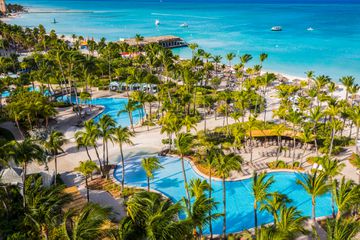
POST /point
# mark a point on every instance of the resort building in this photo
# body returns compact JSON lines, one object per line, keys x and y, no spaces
{"x":2,"y":7}
{"x":164,"y":41}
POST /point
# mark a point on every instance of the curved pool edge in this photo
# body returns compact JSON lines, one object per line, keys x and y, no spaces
{"x":235,"y":179}
{"x":193,"y":166}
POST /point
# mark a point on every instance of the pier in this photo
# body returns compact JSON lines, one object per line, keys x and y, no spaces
{"x":164,"y":41}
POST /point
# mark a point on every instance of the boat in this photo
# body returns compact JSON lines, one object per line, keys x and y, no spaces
{"x":54,"y":21}
{"x":276,"y":28}
{"x":310,"y":29}
{"x":184,"y":25}
{"x":157,"y":22}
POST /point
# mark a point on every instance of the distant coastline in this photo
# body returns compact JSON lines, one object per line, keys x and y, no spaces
{"x":290,"y":55}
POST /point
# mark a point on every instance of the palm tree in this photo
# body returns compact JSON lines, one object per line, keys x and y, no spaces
{"x":86,"y":168}
{"x":355,"y":161}
{"x":43,"y":206}
{"x":342,"y":229}
{"x":154,"y":217}
{"x":88,"y":223}
{"x":53,"y":145}
{"x":345,"y":194}
{"x":348,"y":82}
{"x":260,"y":190}
{"x":88,"y":138}
{"x":150,"y":165}
{"x":201,"y":214}
{"x":106,"y":127}
{"x":183,"y":145}
{"x":189,"y":123}
{"x":24,"y":153}
{"x":170,"y":124}
{"x":197,"y":187}
{"x":193,"y":47}
{"x":263,"y":57}
{"x":224,"y":164}
{"x":273,"y":203}
{"x":315,"y":184}
{"x":310,"y":77}
{"x":210,"y":160}
{"x":291,"y":222}
{"x":122,"y":136}
{"x":315,"y":115}
{"x":230,"y":57}
{"x":295,"y":118}
{"x":355,"y":117}
{"x":129,"y":108}
{"x":331,"y":168}
{"x":217,"y":60}
{"x":332,"y":110}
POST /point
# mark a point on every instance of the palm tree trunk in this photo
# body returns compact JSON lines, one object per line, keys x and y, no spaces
{"x":332,"y":141}
{"x":104,"y":153}
{"x":123,"y":168}
{"x":224,"y":201}
{"x":357,"y":137}
{"x":351,"y":127}
{"x":313,"y":209}
{"x":131,"y":122}
{"x":332,"y":200}
{"x":23,"y":188}
{"x":251,"y":147}
{"x":55,"y":158}
{"x":87,"y":152}
{"x":255,"y":218}
{"x":315,"y":141}
{"x":279,"y":147}
{"x":87,"y":189}
{"x":294,"y":146}
{"x":185,"y":182}
{"x":18,"y":127}
{"x":98,"y":156}
{"x":148,"y":183}
{"x":210,"y":222}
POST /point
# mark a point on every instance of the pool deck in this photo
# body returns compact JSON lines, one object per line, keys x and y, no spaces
{"x":147,"y":142}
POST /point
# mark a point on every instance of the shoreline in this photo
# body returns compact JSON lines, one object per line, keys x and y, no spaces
{"x":43,"y":10}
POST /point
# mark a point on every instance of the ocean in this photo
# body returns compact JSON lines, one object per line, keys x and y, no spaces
{"x":220,"y":27}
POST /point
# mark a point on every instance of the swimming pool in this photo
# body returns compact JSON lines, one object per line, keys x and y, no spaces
{"x":7,"y":93}
{"x":239,"y":199}
{"x":113,"y":106}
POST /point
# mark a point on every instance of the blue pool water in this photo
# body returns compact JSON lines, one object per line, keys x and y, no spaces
{"x":7,"y":93}
{"x":113,"y":106}
{"x":222,"y":26}
{"x":169,"y":181}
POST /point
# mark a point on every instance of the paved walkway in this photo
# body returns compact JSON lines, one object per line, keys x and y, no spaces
{"x":100,"y":197}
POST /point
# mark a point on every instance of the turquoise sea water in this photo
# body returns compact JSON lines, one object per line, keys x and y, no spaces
{"x":239,"y":199}
{"x":239,"y":26}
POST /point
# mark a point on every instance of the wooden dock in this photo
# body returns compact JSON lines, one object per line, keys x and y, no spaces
{"x":164,"y":41}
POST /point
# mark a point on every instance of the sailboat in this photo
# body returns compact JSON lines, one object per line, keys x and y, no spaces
{"x":157,"y":22}
{"x":54,"y":22}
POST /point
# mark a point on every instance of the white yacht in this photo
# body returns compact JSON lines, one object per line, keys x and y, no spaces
{"x":184,"y":25}
{"x":276,"y":28}
{"x":157,"y":22}
{"x":310,"y":29}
